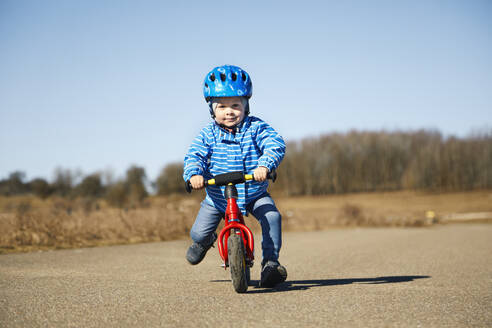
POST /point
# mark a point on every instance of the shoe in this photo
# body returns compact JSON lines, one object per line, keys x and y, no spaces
{"x":196,"y":252}
{"x":272,"y":273}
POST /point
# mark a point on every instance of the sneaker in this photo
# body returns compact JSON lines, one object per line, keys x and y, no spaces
{"x":196,"y":252}
{"x":272,"y":273}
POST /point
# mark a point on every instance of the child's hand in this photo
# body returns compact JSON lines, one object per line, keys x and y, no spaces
{"x":197,"y":182}
{"x":260,"y":173}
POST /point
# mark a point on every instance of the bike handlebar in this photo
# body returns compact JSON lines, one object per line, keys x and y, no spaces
{"x":230,"y":178}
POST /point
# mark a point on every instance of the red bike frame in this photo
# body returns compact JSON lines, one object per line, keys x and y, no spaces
{"x":234,"y":222}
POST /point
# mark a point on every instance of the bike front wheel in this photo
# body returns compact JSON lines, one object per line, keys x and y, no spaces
{"x":237,"y":263}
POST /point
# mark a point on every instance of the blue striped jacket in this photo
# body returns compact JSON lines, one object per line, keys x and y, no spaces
{"x":216,"y":151}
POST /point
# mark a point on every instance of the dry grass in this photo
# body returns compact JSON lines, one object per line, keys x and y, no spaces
{"x":402,"y":208}
{"x":28,"y":223}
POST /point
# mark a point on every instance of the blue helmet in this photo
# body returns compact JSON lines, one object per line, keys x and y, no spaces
{"x":227,"y":81}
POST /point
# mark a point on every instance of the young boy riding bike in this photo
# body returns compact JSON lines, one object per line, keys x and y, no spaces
{"x":235,"y":141}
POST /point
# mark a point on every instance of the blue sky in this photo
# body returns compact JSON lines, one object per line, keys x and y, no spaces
{"x":100,"y":85}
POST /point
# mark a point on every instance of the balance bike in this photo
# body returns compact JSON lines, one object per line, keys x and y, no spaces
{"x":235,"y":240}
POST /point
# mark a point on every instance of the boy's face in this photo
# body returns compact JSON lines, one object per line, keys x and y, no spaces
{"x":229,"y":111}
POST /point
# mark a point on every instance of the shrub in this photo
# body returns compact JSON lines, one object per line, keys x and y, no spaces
{"x":170,"y":181}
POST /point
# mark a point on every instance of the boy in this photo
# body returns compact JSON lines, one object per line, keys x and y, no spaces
{"x":235,"y":141}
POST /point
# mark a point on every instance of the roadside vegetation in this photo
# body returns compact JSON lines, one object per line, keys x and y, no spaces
{"x":352,"y":179}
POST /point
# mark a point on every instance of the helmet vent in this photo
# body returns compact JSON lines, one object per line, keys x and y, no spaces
{"x":206,"y":85}
{"x":212,"y":77}
{"x":243,"y":76}
{"x":222,"y":77}
{"x":234,"y":76}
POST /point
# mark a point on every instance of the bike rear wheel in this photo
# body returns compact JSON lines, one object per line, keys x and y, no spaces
{"x":237,"y":263}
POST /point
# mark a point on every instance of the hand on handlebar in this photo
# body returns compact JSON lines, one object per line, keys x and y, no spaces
{"x":260,"y":173}
{"x":197,"y":182}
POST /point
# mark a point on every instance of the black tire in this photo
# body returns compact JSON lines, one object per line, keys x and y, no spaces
{"x":237,"y":263}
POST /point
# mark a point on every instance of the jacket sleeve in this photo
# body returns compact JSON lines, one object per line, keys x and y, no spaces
{"x":195,"y":161}
{"x":272,"y":146}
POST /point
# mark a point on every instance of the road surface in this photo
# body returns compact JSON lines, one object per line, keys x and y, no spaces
{"x":371,"y":277}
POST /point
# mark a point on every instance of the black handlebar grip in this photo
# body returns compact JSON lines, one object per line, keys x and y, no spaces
{"x":188,"y":186}
{"x":272,"y":175}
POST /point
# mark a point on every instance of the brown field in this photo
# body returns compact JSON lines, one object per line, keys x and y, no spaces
{"x":28,"y":223}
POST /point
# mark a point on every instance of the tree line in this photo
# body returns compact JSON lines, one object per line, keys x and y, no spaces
{"x":333,"y":163}
{"x":129,"y":191}
{"x":383,"y":161}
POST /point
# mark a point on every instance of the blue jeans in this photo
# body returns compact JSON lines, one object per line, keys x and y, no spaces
{"x":263,"y":209}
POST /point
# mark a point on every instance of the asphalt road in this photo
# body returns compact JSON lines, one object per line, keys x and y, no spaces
{"x":429,"y":277}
